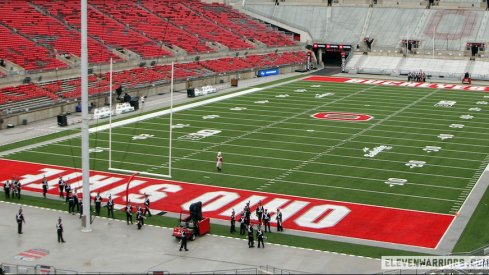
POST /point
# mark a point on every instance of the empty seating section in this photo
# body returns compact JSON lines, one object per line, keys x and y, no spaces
{"x":346,"y":25}
{"x":128,"y":12}
{"x":48,"y":32}
{"x":452,"y":29}
{"x":241,"y":24}
{"x":22,"y":93}
{"x":182,"y":71}
{"x":352,"y":63}
{"x":379,"y":64}
{"x":135,"y":78}
{"x":25,"y":53}
{"x":105,"y":29}
{"x":254,"y":61}
{"x":480,"y":70}
{"x":180,"y":15}
{"x":435,"y":67}
{"x":71,"y":88}
{"x":388,"y":26}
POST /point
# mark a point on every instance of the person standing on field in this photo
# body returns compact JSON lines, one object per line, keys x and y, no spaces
{"x":20,"y":219}
{"x":219,"y":161}
{"x":44,"y":186}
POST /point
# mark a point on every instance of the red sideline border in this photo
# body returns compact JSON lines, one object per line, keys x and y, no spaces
{"x":394,"y":83}
{"x":350,"y":220}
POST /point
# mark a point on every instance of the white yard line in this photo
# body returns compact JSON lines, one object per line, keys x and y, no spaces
{"x":309,"y":172}
{"x":297,"y":143}
{"x":287,"y":181}
{"x":317,"y":156}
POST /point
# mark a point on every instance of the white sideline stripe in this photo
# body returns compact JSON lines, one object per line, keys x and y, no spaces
{"x":176,"y":109}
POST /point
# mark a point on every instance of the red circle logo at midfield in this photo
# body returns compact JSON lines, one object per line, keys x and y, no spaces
{"x":342,"y":116}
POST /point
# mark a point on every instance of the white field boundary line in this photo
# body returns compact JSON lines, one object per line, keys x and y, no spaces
{"x":484,"y":163}
{"x":311,"y":172}
{"x":317,"y":156}
{"x":217,"y":145}
{"x":391,"y":88}
{"x":144,"y":117}
{"x":399,"y":91}
{"x":175,"y":109}
{"x":285,"y":135}
{"x":264,"y":179}
{"x":313,"y":145}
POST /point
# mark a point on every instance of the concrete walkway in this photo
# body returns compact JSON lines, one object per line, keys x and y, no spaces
{"x":113,"y":246}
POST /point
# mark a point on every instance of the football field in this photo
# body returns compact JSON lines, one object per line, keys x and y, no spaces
{"x":400,"y":147}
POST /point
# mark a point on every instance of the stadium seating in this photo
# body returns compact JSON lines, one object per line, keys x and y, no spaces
{"x":71,"y":88}
{"x":105,"y":29}
{"x":479,"y":70}
{"x":388,"y":26}
{"x":48,"y":32}
{"x":19,"y":98}
{"x":26,"y":54}
{"x":435,"y":67}
{"x":241,"y":24}
{"x":179,"y":14}
{"x":379,"y":64}
{"x":157,"y":28}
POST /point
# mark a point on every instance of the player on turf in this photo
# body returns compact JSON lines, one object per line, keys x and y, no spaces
{"x":219,"y":161}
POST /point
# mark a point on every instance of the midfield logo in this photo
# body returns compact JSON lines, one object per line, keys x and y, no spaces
{"x":415,"y":164}
{"x":457,"y":126}
{"x":445,"y":103}
{"x":445,"y":136}
{"x":200,"y":134}
{"x":430,"y":149}
{"x":395,"y":181}
{"x":142,"y":136}
{"x":372,"y":153}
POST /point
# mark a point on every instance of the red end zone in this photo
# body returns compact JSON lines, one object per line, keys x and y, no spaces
{"x":350,"y":220}
{"x":397,"y":83}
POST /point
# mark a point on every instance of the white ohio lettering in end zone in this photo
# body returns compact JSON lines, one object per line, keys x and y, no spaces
{"x":334,"y":214}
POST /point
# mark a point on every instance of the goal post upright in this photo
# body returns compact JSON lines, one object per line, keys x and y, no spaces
{"x":171,"y":119}
{"x":134,"y":172}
